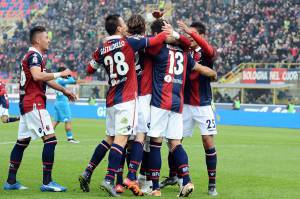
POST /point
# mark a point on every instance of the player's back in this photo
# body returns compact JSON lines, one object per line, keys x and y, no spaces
{"x":144,"y":73}
{"x":31,"y":92}
{"x":169,"y":73}
{"x":197,"y":88}
{"x":117,"y":56}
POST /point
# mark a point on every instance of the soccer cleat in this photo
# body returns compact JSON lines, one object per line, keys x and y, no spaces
{"x":72,"y":140}
{"x":212,"y":191}
{"x":133,"y":186}
{"x":180,"y":182}
{"x":186,"y":190}
{"x":156,"y":193}
{"x":16,"y":186}
{"x":109,"y":188}
{"x":145,"y":185}
{"x":168,"y":181}
{"x":52,"y":187}
{"x":84,"y":181}
{"x":119,"y":189}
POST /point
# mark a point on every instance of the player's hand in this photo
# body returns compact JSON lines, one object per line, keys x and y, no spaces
{"x":157,"y":14}
{"x":168,"y":29}
{"x":214,"y":78}
{"x":66,"y":73}
{"x":184,"y":27}
{"x":72,"y":97}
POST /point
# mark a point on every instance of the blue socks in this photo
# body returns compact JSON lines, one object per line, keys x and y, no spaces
{"x":172,"y":166}
{"x":15,"y":159}
{"x":48,"y":159}
{"x":69,"y":134}
{"x":114,"y":159}
{"x":98,"y":155}
{"x":155,"y":163}
{"x":211,"y":164}
{"x":135,"y":161}
{"x":121,"y":169}
{"x":182,"y":164}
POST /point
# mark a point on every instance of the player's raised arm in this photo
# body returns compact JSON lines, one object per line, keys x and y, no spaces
{"x":72,"y":97}
{"x":207,"y":48}
{"x":183,"y":40}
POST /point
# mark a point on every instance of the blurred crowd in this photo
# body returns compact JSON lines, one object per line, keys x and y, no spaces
{"x":241,"y":31}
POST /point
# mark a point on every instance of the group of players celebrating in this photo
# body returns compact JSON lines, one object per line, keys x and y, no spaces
{"x":159,"y":88}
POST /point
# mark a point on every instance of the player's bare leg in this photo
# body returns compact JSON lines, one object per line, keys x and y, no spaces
{"x":98,"y":155}
{"x":134,"y":163}
{"x":211,"y":162}
{"x":69,"y":133}
{"x":55,"y":124}
{"x":7,"y":119}
{"x":48,"y":161}
{"x":15,"y":162}
{"x":181,"y":163}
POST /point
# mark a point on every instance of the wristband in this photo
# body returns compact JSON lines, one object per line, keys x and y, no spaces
{"x":176,"y":35}
{"x":56,"y":75}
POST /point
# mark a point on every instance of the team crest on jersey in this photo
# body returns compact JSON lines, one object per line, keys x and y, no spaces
{"x":48,"y":127}
{"x":35,"y":59}
{"x":168,"y":78}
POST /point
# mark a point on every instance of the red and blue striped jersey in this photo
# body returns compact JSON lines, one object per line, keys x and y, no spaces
{"x":170,"y":65}
{"x":32,"y":93}
{"x":3,"y":96}
{"x":144,"y":73}
{"x":197,"y":90}
{"x":117,"y":56}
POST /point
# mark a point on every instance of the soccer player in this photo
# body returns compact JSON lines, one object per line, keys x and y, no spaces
{"x":170,"y":65}
{"x":197,"y":109}
{"x":117,"y":56}
{"x":62,"y":111}
{"x":35,"y":120}
{"x":4,"y":105}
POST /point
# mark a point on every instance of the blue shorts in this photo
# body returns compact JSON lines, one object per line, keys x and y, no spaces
{"x":62,"y":112}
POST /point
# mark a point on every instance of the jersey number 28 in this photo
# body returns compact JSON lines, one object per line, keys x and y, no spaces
{"x":121,"y":66}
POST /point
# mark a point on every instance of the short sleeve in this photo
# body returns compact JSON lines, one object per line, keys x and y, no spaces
{"x":137,"y":42}
{"x":35,"y":60}
{"x":190,"y":62}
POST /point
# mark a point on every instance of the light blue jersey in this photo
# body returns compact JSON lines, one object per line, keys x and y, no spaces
{"x":62,"y":112}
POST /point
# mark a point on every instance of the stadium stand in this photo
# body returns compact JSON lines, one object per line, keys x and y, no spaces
{"x":243,"y":31}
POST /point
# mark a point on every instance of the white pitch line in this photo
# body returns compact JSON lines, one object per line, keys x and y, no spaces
{"x":4,"y":143}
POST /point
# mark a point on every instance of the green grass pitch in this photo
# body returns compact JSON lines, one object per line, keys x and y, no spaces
{"x":252,"y":163}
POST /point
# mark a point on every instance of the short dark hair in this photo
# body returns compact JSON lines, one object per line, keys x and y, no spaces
{"x":111,"y":23}
{"x":61,"y":68}
{"x":156,"y":26}
{"x":136,"y":24}
{"x":35,"y":30}
{"x":200,"y":27}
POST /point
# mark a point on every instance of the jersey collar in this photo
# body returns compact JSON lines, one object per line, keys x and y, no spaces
{"x":197,"y":49}
{"x":113,"y":37}
{"x":35,"y":50}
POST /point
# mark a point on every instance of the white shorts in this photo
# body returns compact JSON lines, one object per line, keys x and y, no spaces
{"x":3,"y":111}
{"x":143,"y":114}
{"x":203,"y":116}
{"x":165,"y":123}
{"x":36,"y":123}
{"x":121,"y":119}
